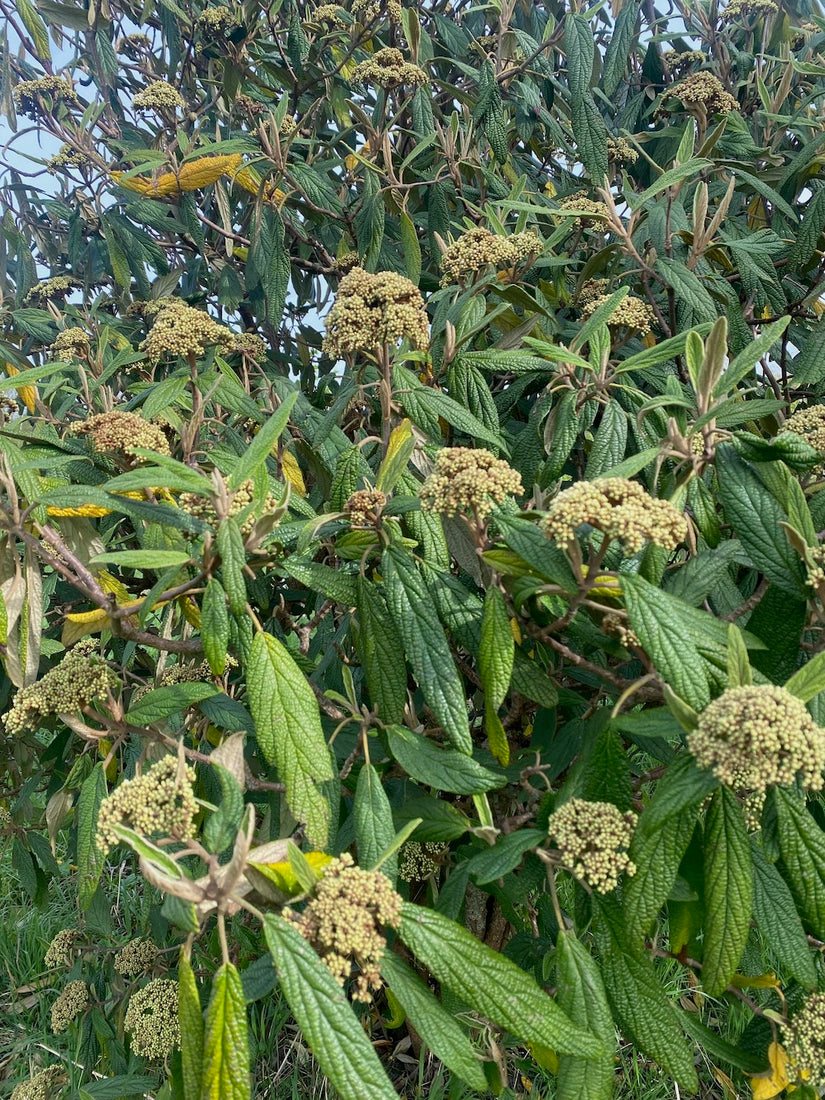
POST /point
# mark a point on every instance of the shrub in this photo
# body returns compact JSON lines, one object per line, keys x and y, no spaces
{"x":413,"y":457}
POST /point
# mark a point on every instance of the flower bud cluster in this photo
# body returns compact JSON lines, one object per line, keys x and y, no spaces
{"x":136,"y":958}
{"x":159,"y":96}
{"x":738,"y":9}
{"x":364,"y":507}
{"x":631,"y":312}
{"x":72,"y":1001}
{"x":366,"y":12}
{"x":373,"y":310}
{"x":759,"y":736}
{"x":593,"y":839}
{"x":180,"y":329}
{"x":61,"y":950}
{"x":815,"y":563}
{"x":590,"y":290}
{"x":29,"y":95}
{"x":704,"y":91}
{"x":342,"y":922}
{"x":216,"y":23}
{"x":121,"y":432}
{"x":810,"y":424}
{"x":620,"y":151}
{"x":620,"y":509}
{"x":417,"y":862}
{"x":580,"y":201}
{"x":347,"y":260}
{"x":804,"y":1040}
{"x":72,"y":343}
{"x":244,"y":495}
{"x":328,"y":13}
{"x":48,"y":289}
{"x":68,"y":157}
{"x":74,"y":683}
{"x":681,"y":62}
{"x":618,"y":627}
{"x":249,"y":344}
{"x":159,"y":803}
{"x":388,"y":69}
{"x":152,"y":1019}
{"x":5,"y":818}
{"x":45,"y":1085}
{"x":479,"y":248}
{"x":468,"y":479}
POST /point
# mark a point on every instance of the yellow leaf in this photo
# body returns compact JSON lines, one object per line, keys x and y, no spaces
{"x":649,"y":341}
{"x":251,"y":181}
{"x":755,"y":981}
{"x":79,"y":624}
{"x":103,"y":749}
{"x":283,"y":877}
{"x":190,"y":611}
{"x":773,"y":1082}
{"x":292,"y":473}
{"x":515,"y":630}
{"x":27,"y":393}
{"x":197,"y":173}
{"x":605,"y":586}
{"x":544,"y":1057}
{"x":111,"y":584}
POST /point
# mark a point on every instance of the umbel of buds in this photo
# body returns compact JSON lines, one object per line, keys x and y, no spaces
{"x":34,"y":98}
{"x":479,"y":248}
{"x":364,"y":507}
{"x":388,"y":69}
{"x":468,"y":479}
{"x":72,"y":1001}
{"x":121,"y":432}
{"x":343,"y":919}
{"x":61,"y":950}
{"x":810,"y":424}
{"x":705,"y":92}
{"x":759,"y":736}
{"x":71,"y":343}
{"x":371,"y":311}
{"x":136,"y":958}
{"x":45,"y":1085}
{"x":75,"y":683}
{"x":152,"y":1019}
{"x":180,"y":329}
{"x":56,"y":287}
{"x":159,"y":96}
{"x":593,"y":839}
{"x":620,"y":509}
{"x":631,"y":312}
{"x":804,"y":1039}
{"x":159,"y":803}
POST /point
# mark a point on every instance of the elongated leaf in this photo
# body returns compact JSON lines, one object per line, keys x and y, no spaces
{"x":261,"y":446}
{"x":426,"y":646}
{"x":190,"y":1015}
{"x":90,"y":859}
{"x":495,"y":660}
{"x":162,"y":702}
{"x":506,"y":854}
{"x":374,"y":829}
{"x":437,"y":1027}
{"x":382,"y":655}
{"x":492,"y":984}
{"x":233,"y":558}
{"x":778,"y":920}
{"x":657,"y":851}
{"x":143,"y":559}
{"x":581,"y":994}
{"x":215,"y":626}
{"x":802,"y":846}
{"x":442,"y":768}
{"x":728,"y":890}
{"x":288,"y":729}
{"x":226,"y":1040}
{"x":321,"y":1010}
{"x":809,"y":680}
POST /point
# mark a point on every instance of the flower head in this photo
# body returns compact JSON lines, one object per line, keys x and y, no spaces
{"x":249,"y":344}
{"x":372,"y":310}
{"x":238,"y":502}
{"x":180,"y":329}
{"x":810,"y":424}
{"x":136,"y":958}
{"x":121,"y":432}
{"x":388,"y":69}
{"x":81,"y":677}
{"x":579,"y":201}
{"x":804,"y":1038}
{"x":620,"y":151}
{"x":367,"y":11}
{"x":468,"y":479}
{"x":364,"y":507}
{"x":61,"y":950}
{"x":342,"y":921}
{"x":479,"y":248}
{"x":705,"y":92}
{"x":738,"y":9}
{"x":55,"y":288}
{"x":37,"y":97}
{"x":631,"y":312}
{"x":418,"y":861}
{"x":759,"y":736}
{"x":72,"y":343}
{"x":593,"y":839}
{"x":68,"y":157}
{"x":620,"y":509}
{"x":152,"y":1019}
{"x":45,"y":1085}
{"x":681,"y":62}
{"x":216,"y":23}
{"x":72,"y":1001}
{"x":159,"y":803}
{"x":159,"y":96}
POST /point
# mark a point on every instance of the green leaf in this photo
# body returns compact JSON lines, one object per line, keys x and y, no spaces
{"x":335,"y":585}
{"x":441,"y":768}
{"x":288,"y":728}
{"x":142,"y":559}
{"x":162,"y":702}
{"x":90,"y":859}
{"x":426,"y":646}
{"x":374,"y":828}
{"x":638,"y":1000}
{"x":809,"y":680}
{"x":505,"y":855}
{"x":492,"y":984}
{"x":581,"y":993}
{"x":719,"y":1048}
{"x":330,"y":1027}
{"x":802,"y":847}
{"x":667,"y":179}
{"x":728,"y":891}
{"x":36,"y":28}
{"x":261,"y":446}
{"x":190,"y":1015}
{"x":226,"y":1040}
{"x":438,"y":1028}
{"x":778,"y":921}
{"x":233,"y":559}
{"x":495,"y":660}
{"x":657,"y":852}
{"x":684,"y":784}
{"x":440,"y":404}
{"x":410,"y":247}
{"x":268,"y":267}
{"x":381,"y":652}
{"x":756,"y":516}
{"x":609,"y":442}
{"x":215,"y":626}
{"x":115,"y":1088}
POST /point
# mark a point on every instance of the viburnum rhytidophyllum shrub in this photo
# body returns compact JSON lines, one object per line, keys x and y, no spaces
{"x":412,"y":545}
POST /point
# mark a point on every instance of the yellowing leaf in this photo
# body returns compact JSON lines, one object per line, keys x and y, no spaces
{"x":773,"y":1082}
{"x":192,"y":176}
{"x":283,"y":877}
{"x":190,"y":611}
{"x":515,"y":630}
{"x":79,"y":624}
{"x":251,"y":181}
{"x":28,"y":394}
{"x":755,"y":981}
{"x":292,"y":473}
